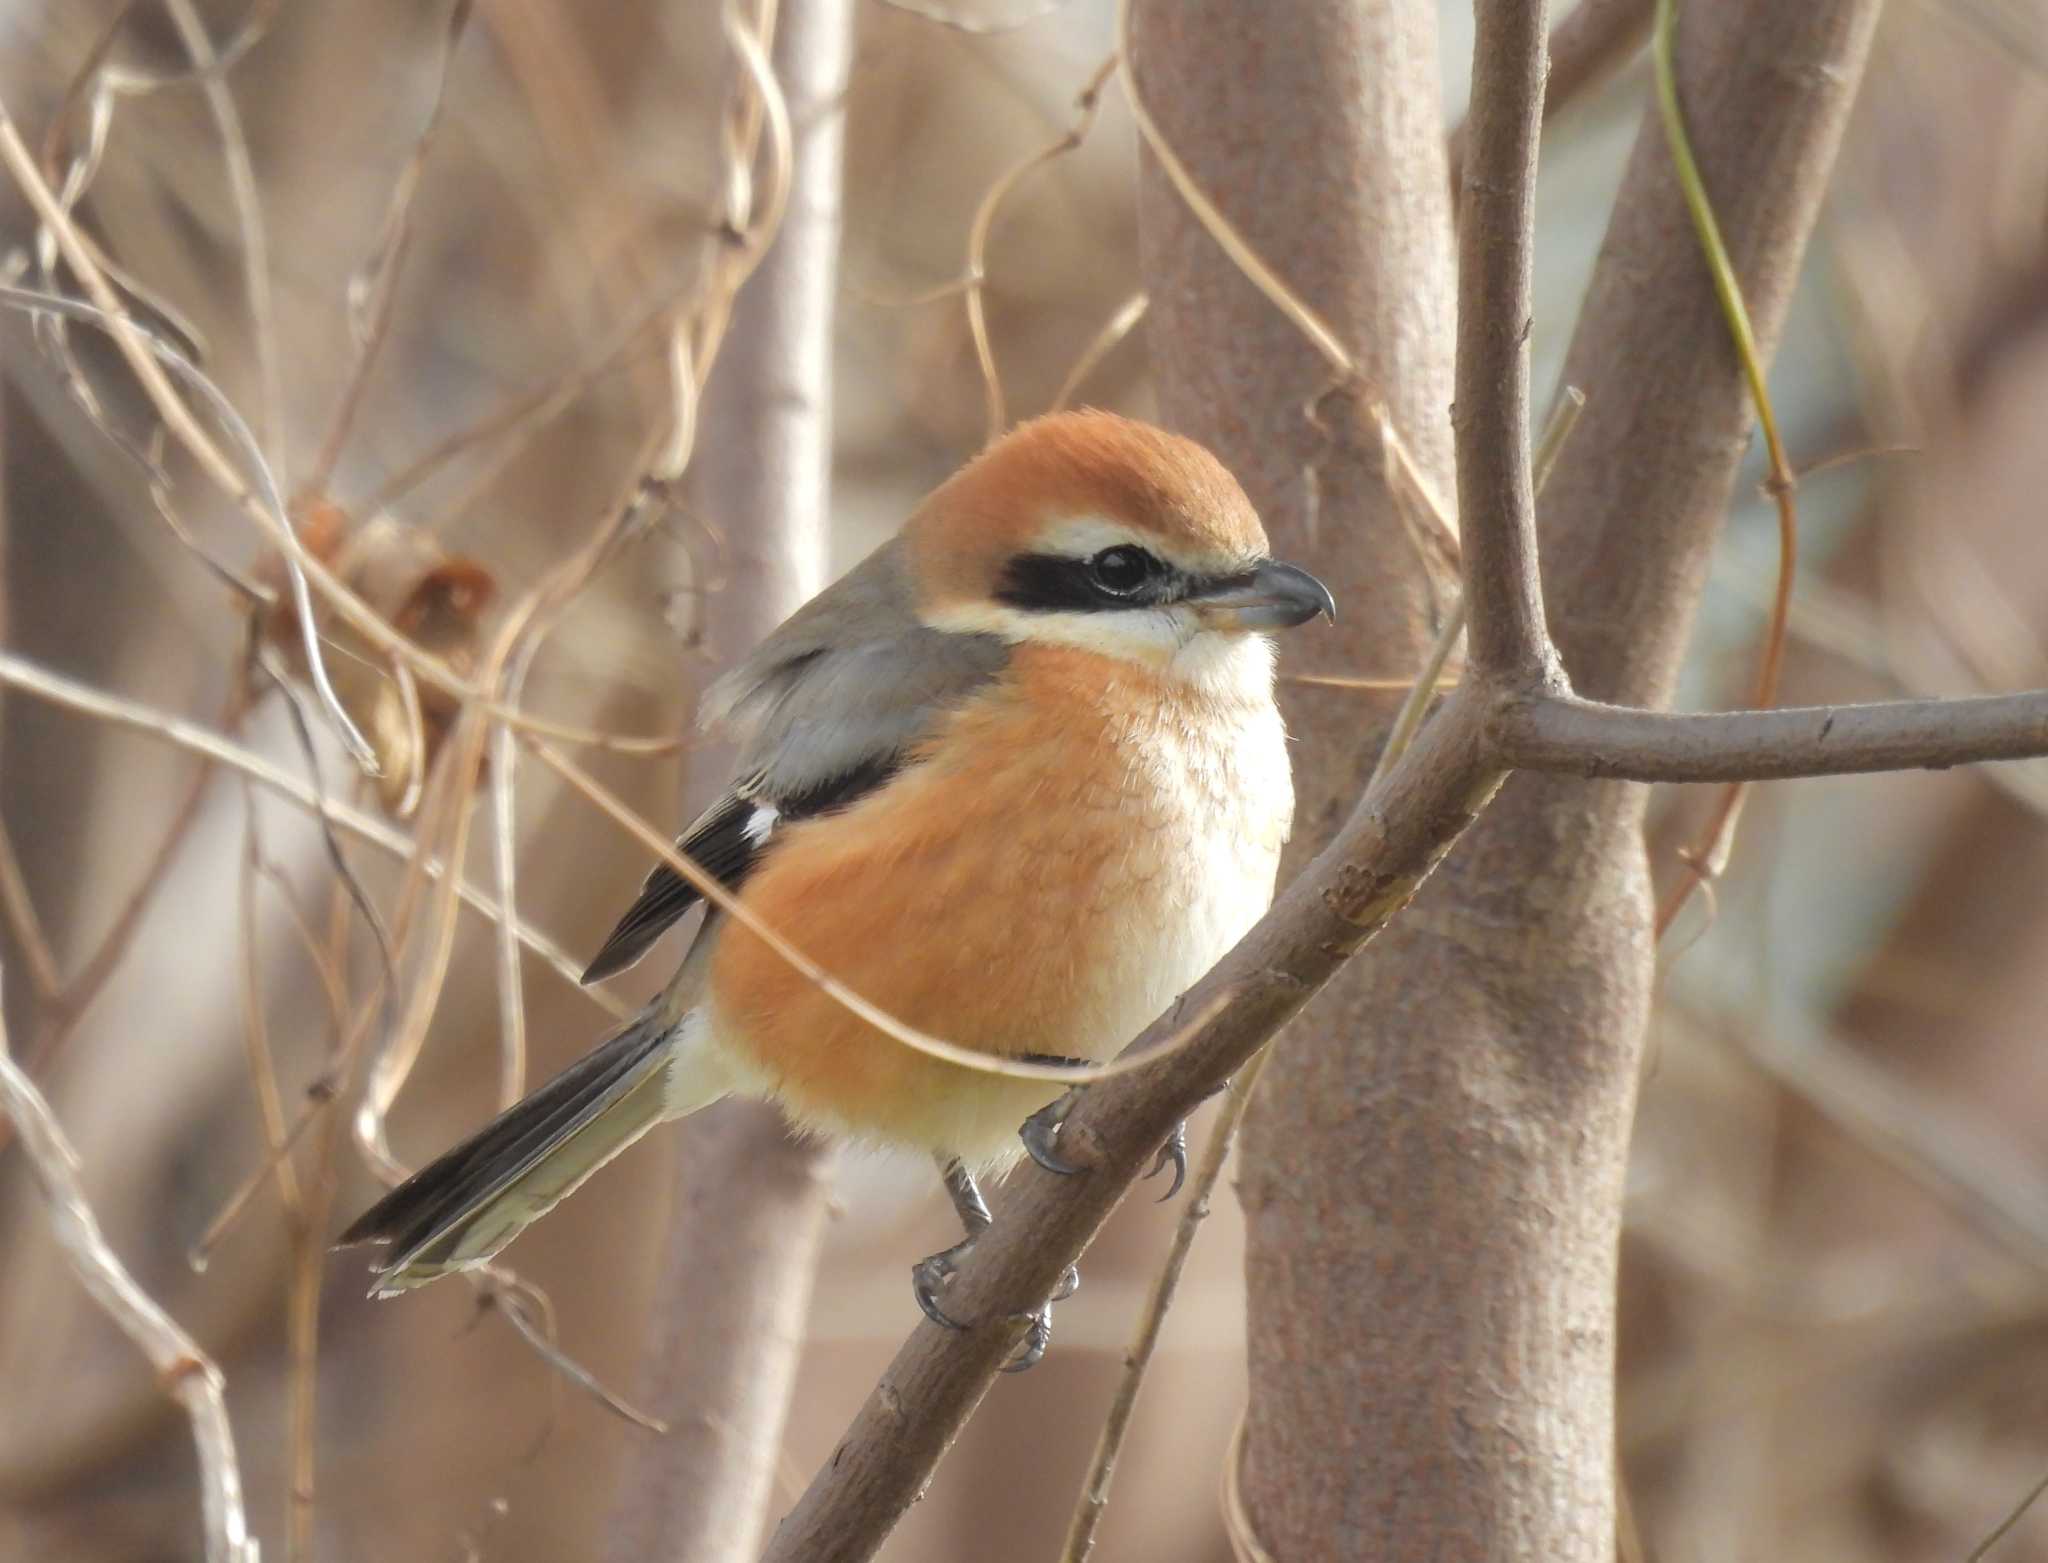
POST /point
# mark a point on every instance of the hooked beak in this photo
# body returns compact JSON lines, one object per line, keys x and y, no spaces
{"x":1272,"y":596}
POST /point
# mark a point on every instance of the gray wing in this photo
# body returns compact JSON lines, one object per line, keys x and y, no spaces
{"x":828,"y":707}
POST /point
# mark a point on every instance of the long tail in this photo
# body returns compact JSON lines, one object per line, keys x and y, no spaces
{"x":460,"y":1209}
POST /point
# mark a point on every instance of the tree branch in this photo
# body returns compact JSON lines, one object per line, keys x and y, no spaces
{"x":1473,"y":1291}
{"x":1593,"y":40}
{"x":188,"y":1375}
{"x":1496,"y":258}
{"x":750,"y":1201}
{"x":1574,"y":737}
{"x":1390,"y":844}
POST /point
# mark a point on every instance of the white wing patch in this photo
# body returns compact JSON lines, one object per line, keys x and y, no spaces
{"x":761,"y":823}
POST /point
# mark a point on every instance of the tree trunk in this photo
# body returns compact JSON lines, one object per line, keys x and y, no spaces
{"x":750,"y":1200}
{"x":1432,"y":1172}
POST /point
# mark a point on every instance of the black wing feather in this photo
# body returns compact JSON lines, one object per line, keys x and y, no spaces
{"x":719,"y":844}
{"x":727,"y":843}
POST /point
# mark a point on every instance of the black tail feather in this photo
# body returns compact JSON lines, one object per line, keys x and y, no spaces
{"x":445,"y":1192}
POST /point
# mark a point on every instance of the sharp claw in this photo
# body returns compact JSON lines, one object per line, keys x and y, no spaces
{"x":928,"y":1278}
{"x":1175,"y":1150}
{"x":1031,"y":1350}
{"x":1040,"y":1134}
{"x":932,"y":1276}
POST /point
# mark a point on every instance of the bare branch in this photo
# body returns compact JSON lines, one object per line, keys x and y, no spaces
{"x":1093,"y":1503}
{"x":1575,"y":737}
{"x":1119,"y":325}
{"x":1391,"y":843}
{"x":1595,"y":38}
{"x":1496,"y":259}
{"x":254,"y":233}
{"x":374,"y":287}
{"x":148,"y":356}
{"x":188,"y":1375}
{"x":20,"y":673}
{"x":26,"y":923}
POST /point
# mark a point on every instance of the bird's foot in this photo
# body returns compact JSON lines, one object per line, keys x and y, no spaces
{"x":1174,"y":1153}
{"x":1041,"y":1132}
{"x":930,"y":1277}
{"x":1031,"y":1350}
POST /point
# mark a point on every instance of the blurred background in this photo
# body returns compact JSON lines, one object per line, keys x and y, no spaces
{"x":1835,"y":1280}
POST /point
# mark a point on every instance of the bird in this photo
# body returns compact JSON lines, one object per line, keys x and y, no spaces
{"x":1018,"y":779}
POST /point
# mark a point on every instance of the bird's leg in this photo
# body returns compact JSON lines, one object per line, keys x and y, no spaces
{"x":929,"y":1277}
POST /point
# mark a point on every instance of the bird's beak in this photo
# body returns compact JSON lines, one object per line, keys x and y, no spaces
{"x":1272,"y":596}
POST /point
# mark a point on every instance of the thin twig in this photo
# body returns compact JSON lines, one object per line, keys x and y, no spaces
{"x":68,"y":1007}
{"x":359,"y":615}
{"x":974,"y":280}
{"x":1119,"y":325}
{"x":148,"y":355}
{"x":323,"y":810}
{"x":1093,"y":1502}
{"x":44,"y":974}
{"x":527,"y":409}
{"x":19,"y":673}
{"x":392,"y":1063}
{"x":1381,"y":686}
{"x":1709,"y":855}
{"x":253,"y":232}
{"x":187,"y":1374}
{"x":200,"y":1255}
{"x":2013,"y":1516}
{"x":375,"y":285}
{"x":752,"y":215}
{"x":513,"y":1296}
{"x":505,"y":863}
{"x":300,"y":1469}
{"x":255,"y":1026}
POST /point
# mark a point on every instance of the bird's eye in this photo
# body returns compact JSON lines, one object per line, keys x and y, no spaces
{"x":1121,"y":571}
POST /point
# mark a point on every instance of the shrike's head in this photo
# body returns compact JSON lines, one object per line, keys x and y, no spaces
{"x":1090,"y":530}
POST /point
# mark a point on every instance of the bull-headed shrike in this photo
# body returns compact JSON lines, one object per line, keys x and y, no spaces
{"x":1018,"y":780}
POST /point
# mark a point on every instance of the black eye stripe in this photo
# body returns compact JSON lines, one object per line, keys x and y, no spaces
{"x":1058,"y":583}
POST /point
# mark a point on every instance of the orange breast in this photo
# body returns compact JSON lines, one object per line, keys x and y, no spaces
{"x":1070,"y":852}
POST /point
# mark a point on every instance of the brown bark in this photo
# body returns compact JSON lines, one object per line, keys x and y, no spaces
{"x":1432,"y":1173}
{"x":750,"y":1202}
